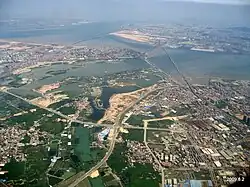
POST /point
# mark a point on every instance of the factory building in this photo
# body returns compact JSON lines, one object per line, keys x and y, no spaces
{"x":103,"y":134}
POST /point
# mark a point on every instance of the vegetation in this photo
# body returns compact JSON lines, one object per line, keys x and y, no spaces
{"x":134,"y":134}
{"x":16,"y":81}
{"x":67,"y":110}
{"x":137,"y":120}
{"x":32,"y":172}
{"x":36,"y":165}
{"x":81,"y":144}
{"x":96,"y":182}
{"x":138,"y":176}
{"x":26,"y":139}
{"x":84,"y":183}
{"x":57,"y":72}
{"x":220,"y":104}
{"x":84,"y":157}
{"x":161,"y":123}
{"x":26,"y":119}
{"x":15,"y":169}
{"x":54,"y":180}
{"x":51,"y":126}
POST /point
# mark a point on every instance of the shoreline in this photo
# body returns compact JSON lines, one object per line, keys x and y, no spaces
{"x":137,"y":37}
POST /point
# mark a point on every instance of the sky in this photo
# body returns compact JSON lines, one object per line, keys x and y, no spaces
{"x":232,"y":2}
{"x":133,"y":10}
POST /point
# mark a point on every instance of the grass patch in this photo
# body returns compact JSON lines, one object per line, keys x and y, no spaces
{"x":134,"y":134}
{"x":67,"y":110}
{"x":26,"y":119}
{"x":15,"y":169}
{"x":68,"y":174}
{"x":138,"y":176}
{"x":161,"y":123}
{"x":81,"y":144}
{"x":96,"y":182}
{"x":137,"y":120}
{"x":50,"y":125}
{"x":29,"y":173}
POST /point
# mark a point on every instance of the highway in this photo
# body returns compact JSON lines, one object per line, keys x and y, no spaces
{"x":154,"y":66}
{"x":145,"y":127}
{"x":181,"y":74}
{"x":117,"y":125}
{"x":45,"y":108}
{"x":86,"y":123}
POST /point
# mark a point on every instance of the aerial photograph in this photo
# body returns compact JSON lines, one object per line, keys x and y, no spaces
{"x":124,"y":93}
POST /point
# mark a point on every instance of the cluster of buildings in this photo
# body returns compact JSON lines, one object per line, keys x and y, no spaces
{"x":13,"y":140}
{"x":17,"y":55}
{"x":199,"y":38}
{"x":210,"y":137}
{"x":138,"y":153}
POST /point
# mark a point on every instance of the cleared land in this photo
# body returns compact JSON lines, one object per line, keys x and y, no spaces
{"x":118,"y":102}
{"x":132,"y":35}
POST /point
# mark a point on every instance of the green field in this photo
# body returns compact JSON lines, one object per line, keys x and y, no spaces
{"x":138,"y":176}
{"x":50,"y":125}
{"x":27,"y":120}
{"x":161,"y":124}
{"x":134,"y":134}
{"x":67,"y":110}
{"x":32,"y":171}
{"x":16,"y":169}
{"x":137,"y":120}
{"x":81,"y":144}
{"x":96,"y":182}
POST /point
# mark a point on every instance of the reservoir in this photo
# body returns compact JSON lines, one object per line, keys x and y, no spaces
{"x":106,"y":95}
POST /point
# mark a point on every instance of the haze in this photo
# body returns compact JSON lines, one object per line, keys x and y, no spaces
{"x":211,"y":12}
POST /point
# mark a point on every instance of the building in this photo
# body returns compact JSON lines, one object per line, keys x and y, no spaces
{"x":103,"y":134}
{"x":246,"y":118}
{"x":196,"y":183}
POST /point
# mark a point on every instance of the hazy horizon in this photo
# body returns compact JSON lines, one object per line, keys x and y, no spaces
{"x":208,"y":12}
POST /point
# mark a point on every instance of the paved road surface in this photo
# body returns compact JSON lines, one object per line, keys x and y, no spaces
{"x":117,"y":125}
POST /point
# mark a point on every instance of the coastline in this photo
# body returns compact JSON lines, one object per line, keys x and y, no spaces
{"x":134,"y":36}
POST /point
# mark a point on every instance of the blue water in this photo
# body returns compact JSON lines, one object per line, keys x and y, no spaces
{"x":106,"y":94}
{"x":195,"y":63}
{"x":192,"y":63}
{"x":71,"y":33}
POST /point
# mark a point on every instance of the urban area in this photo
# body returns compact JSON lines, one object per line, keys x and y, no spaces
{"x":73,"y":115}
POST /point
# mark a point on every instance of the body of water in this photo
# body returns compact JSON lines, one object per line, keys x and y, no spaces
{"x":91,"y":69}
{"x":68,"y":34}
{"x":199,"y":64}
{"x":193,"y":63}
{"x":106,"y":95}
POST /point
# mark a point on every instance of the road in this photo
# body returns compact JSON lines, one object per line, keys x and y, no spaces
{"x":154,"y":66}
{"x":145,"y":127}
{"x":117,"y":125}
{"x":179,"y":71}
{"x":45,"y":108}
{"x":86,"y":123}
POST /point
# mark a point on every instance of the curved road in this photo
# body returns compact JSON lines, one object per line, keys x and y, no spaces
{"x":117,"y":125}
